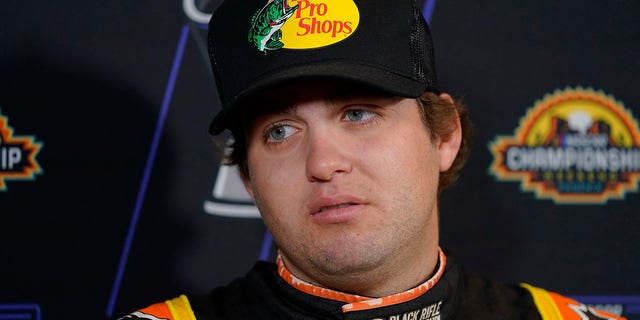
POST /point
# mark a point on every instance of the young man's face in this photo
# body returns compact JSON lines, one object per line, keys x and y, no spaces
{"x":347,"y":184}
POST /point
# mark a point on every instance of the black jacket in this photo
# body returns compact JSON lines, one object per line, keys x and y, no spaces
{"x":263,"y":294}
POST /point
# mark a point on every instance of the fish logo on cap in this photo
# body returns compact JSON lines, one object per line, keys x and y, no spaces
{"x":265,"y":31}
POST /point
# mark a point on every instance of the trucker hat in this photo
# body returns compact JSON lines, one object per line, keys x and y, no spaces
{"x":256,"y":44}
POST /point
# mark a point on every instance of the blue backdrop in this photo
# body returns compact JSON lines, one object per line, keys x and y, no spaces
{"x":111,"y":191}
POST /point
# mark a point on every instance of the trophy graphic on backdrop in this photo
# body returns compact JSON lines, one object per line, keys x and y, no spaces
{"x":229,"y":198}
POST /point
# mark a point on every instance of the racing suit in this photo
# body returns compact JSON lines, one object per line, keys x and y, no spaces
{"x":269,"y":291}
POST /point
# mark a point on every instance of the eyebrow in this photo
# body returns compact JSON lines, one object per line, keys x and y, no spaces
{"x":270,"y":103}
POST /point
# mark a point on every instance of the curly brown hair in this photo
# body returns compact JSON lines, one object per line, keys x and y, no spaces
{"x":438,"y":116}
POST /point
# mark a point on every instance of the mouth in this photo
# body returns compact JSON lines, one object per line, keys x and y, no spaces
{"x":338,"y":206}
{"x":337,"y":212}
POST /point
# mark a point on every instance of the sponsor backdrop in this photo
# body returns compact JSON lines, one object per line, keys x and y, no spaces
{"x":112,"y":196}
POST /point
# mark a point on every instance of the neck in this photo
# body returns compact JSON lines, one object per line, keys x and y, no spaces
{"x":379,"y":269}
{"x":361,"y":302}
{"x":407,"y":266}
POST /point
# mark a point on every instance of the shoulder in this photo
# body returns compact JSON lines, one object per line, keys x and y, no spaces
{"x":552,"y":305}
{"x":247,"y":297}
{"x":178,"y":308}
{"x":482,"y":298}
{"x":243,"y":298}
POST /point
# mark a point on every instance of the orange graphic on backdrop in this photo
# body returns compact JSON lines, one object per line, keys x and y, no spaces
{"x":17,"y":155}
{"x":575,"y":146}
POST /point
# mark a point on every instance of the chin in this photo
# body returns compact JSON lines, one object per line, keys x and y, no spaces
{"x":350,"y":262}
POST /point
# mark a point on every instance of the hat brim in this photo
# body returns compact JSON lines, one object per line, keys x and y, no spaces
{"x":384,"y":80}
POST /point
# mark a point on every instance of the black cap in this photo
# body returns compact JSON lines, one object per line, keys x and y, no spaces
{"x":254,"y":44}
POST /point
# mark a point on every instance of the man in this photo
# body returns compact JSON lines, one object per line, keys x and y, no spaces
{"x":344,"y":141}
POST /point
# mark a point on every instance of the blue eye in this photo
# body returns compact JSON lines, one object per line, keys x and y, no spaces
{"x":359,"y":115}
{"x":281,"y":132}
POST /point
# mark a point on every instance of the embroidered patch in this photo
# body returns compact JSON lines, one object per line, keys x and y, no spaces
{"x":302,"y":24}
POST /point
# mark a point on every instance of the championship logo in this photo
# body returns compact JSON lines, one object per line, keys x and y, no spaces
{"x":302,"y":24}
{"x":17,"y":155}
{"x":575,"y":146}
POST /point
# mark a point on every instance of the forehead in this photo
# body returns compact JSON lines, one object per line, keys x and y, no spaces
{"x":280,"y":98}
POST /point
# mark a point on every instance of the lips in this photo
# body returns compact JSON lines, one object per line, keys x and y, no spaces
{"x":336,"y":209}
{"x":342,"y":205}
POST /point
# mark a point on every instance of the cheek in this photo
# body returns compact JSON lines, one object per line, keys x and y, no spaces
{"x":406,"y":149}
{"x":272,"y":172}
{"x":409,"y":160}
{"x":274,"y":183}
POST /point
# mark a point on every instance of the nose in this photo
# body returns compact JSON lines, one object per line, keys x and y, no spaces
{"x":327,"y":155}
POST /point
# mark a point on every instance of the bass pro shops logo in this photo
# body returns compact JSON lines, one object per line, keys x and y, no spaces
{"x":302,"y":24}
{"x":575,"y":146}
{"x":17,"y":155}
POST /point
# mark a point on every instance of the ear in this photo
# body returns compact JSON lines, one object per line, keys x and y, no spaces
{"x":247,"y":185}
{"x":449,"y":145}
